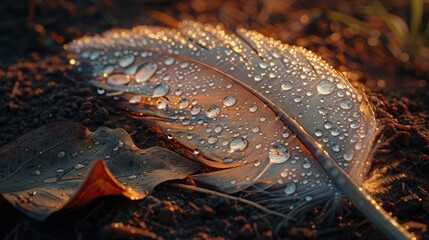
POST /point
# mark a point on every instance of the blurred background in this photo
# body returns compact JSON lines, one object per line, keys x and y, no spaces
{"x":362,"y":35}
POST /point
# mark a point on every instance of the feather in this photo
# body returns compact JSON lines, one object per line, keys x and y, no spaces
{"x":271,"y":115}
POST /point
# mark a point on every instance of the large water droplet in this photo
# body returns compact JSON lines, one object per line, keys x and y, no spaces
{"x":118,"y":79}
{"x":306,"y":165}
{"x":126,"y":61}
{"x":346,"y":104}
{"x":318,"y":133}
{"x":278,"y":153}
{"x":297,"y":99}
{"x":228,"y":160}
{"x":195,"y":110}
{"x":325,"y":87}
{"x":212,"y":111}
{"x":263,"y":65}
{"x":328,"y":124}
{"x":354,"y":124}
{"x":322,"y":111}
{"x":145,"y":72}
{"x":162,"y":103}
{"x":169,"y":61}
{"x":336,"y":147}
{"x":160,"y":90}
{"x":229,"y":101}
{"x":335,"y":132}
{"x":218,"y":129}
{"x":287,"y":86}
{"x":183,"y":103}
{"x":348,"y":156}
{"x":211,"y":139}
{"x":237,"y":144}
{"x":253,"y":108}
{"x":290,"y":188}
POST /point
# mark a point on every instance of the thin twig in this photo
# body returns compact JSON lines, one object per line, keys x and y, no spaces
{"x":238,"y":199}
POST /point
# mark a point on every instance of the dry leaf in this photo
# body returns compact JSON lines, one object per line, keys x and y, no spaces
{"x":66,"y":165}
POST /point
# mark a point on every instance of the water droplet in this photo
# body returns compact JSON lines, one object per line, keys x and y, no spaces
{"x":228,"y":160}
{"x":36,"y":173}
{"x":160,"y":90}
{"x":237,"y":144}
{"x":126,"y":61}
{"x":118,"y":79}
{"x":287,"y":86}
{"x":306,"y":165}
{"x":132,"y":177}
{"x":60,"y":170}
{"x":233,"y":181}
{"x":100,"y":91}
{"x":79,"y":166}
{"x":278,"y":153}
{"x":145,"y":72}
{"x":184,"y":65}
{"x":212,"y":139}
{"x":218,"y":129}
{"x":196,"y":152}
{"x":348,"y":156}
{"x":336,"y":147}
{"x":162,"y":103}
{"x":255,"y":129}
{"x":263,"y":65}
{"x":183,"y":103}
{"x":335,"y":132}
{"x":257,"y":163}
{"x":290,"y":188}
{"x":346,"y":104}
{"x":178,"y":92}
{"x":322,"y":111}
{"x":229,"y":101}
{"x":325,"y":87}
{"x":286,"y":134}
{"x":212,"y":111}
{"x":328,"y":124}
{"x":50,"y":180}
{"x":186,"y":121}
{"x":308,"y":198}
{"x":195,"y":110}
{"x":297,"y":99}
{"x":169,"y":61}
{"x":61,"y":154}
{"x":354,"y":124}
{"x":253,"y":108}
{"x":318,"y":133}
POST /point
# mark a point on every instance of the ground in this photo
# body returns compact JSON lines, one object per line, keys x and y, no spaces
{"x":37,"y":86}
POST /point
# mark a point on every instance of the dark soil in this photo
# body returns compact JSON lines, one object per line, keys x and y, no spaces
{"x":37,"y":86}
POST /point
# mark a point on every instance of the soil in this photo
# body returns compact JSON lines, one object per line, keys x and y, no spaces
{"x":37,"y":86}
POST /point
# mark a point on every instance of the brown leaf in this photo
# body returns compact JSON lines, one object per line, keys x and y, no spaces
{"x":59,"y":166}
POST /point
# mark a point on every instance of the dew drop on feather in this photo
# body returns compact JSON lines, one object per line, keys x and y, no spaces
{"x":145,"y":72}
{"x":325,"y":87}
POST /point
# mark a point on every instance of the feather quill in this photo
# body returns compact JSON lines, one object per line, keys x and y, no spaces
{"x":269,"y":114}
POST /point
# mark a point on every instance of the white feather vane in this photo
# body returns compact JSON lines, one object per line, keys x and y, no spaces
{"x":267,"y":114}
